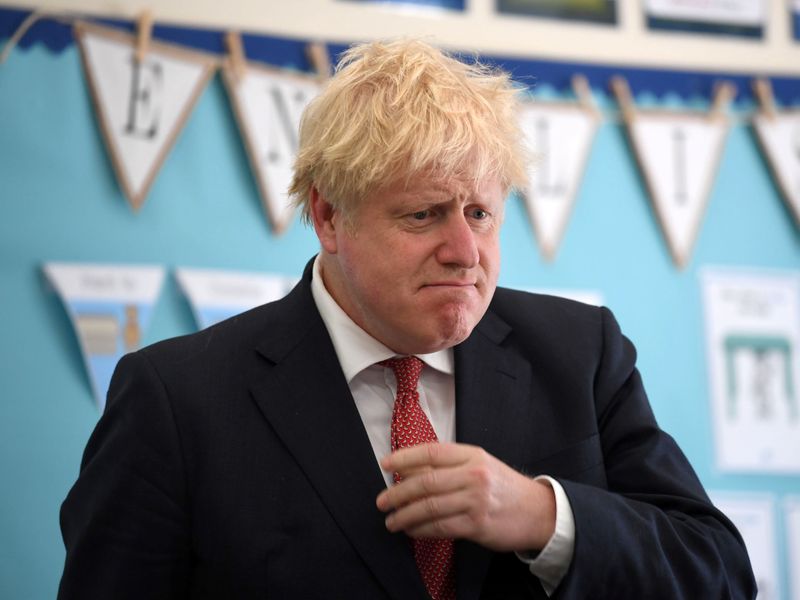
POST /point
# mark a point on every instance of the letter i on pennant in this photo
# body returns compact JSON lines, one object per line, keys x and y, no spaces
{"x":678,"y":154}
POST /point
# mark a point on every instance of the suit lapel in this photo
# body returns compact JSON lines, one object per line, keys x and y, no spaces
{"x":306,"y":400}
{"x":492,"y":403}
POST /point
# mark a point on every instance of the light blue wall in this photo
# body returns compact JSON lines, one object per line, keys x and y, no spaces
{"x":59,"y":201}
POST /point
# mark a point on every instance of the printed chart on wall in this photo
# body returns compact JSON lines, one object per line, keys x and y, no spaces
{"x":754,"y":517}
{"x":729,"y":17}
{"x":110,"y":308}
{"x":752,"y":321}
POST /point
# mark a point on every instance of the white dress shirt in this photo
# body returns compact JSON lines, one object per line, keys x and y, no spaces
{"x":373,"y":388}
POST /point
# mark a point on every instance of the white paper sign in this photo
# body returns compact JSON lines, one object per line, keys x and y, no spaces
{"x":792,"y":523}
{"x":754,"y":517}
{"x":217,"y":295}
{"x":753,"y":338}
{"x":727,"y":12}
{"x":679,"y":155}
{"x":559,"y":137}
{"x":110,"y":308}
{"x":779,"y":137}
{"x":268,"y":105}
{"x":141,"y":106}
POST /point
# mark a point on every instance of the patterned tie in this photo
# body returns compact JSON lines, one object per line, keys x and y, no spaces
{"x":410,"y":426}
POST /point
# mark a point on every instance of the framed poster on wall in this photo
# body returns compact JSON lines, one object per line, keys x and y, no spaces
{"x":445,"y":4}
{"x":597,"y":11}
{"x":725,"y":17}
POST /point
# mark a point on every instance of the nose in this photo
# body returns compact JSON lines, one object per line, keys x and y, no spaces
{"x":458,"y":246}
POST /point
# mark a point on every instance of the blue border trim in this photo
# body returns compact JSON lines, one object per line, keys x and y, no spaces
{"x":285,"y":52}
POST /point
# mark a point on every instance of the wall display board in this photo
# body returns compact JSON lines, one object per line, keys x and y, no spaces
{"x":795,"y":8}
{"x":142,"y":98}
{"x":110,"y":308}
{"x":597,"y":11}
{"x":730,"y":17}
{"x":216,"y":295}
{"x":560,"y":136}
{"x":268,"y":104}
{"x":752,"y":324}
{"x":754,"y":517}
{"x":63,"y":203}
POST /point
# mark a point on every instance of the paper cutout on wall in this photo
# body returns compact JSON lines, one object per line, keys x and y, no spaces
{"x":754,"y":517}
{"x":560,"y":136}
{"x":752,"y":324}
{"x":110,"y":308}
{"x":142,"y":105}
{"x":778,"y":134}
{"x":216,"y":295}
{"x":268,"y":104}
{"x":678,"y":154}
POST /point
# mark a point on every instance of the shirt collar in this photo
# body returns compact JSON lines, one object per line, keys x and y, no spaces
{"x":355,"y":348}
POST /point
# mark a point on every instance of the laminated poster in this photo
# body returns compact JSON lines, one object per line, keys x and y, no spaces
{"x":752,"y":322}
{"x":754,"y":517}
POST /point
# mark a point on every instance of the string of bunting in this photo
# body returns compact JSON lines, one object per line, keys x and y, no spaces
{"x":143,"y":92}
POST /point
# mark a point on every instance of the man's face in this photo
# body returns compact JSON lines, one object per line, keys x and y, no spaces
{"x":420,"y":265}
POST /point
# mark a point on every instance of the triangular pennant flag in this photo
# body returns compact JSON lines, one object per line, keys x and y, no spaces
{"x":778,"y":134}
{"x":110,"y":308}
{"x":216,"y":295}
{"x":678,"y":154}
{"x":268,"y":104}
{"x":142,"y":99}
{"x":559,"y":136}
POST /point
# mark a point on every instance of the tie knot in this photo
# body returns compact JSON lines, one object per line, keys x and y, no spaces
{"x":406,"y":371}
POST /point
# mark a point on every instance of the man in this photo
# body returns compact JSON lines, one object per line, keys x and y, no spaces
{"x":396,"y":427}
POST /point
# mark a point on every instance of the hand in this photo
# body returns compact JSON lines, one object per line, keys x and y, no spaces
{"x":462,"y":491}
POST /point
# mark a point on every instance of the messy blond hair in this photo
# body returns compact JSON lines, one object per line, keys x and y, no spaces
{"x":395,"y":109}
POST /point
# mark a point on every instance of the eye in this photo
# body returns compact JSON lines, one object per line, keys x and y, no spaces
{"x":479,"y":214}
{"x":420,"y":215}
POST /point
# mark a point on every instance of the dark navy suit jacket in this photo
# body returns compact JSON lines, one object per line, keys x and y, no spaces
{"x":232,"y":463}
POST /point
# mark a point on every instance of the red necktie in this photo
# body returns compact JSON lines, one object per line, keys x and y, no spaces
{"x":410,"y":427}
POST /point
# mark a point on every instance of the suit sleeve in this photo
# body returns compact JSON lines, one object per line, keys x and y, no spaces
{"x":653,"y":532}
{"x":125,"y":522}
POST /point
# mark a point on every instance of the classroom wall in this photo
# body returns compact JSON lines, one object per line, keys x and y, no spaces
{"x":60,"y":201}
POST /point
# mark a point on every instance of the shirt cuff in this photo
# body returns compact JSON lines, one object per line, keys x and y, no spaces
{"x":552,"y":563}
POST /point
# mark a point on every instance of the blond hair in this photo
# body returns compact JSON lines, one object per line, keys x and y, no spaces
{"x":395,"y":109}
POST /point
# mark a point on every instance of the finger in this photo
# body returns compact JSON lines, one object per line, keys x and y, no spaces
{"x":433,"y":455}
{"x":427,"y":511}
{"x":421,"y":483}
{"x":459,"y":526}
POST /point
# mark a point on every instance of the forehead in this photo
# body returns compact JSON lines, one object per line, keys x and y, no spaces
{"x":437,"y":187}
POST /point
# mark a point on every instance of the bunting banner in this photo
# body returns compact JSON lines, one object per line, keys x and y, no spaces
{"x":216,"y":295}
{"x":752,"y":322}
{"x":142,"y":99}
{"x":268,"y":104}
{"x":678,"y":154}
{"x":778,"y":134}
{"x":559,"y":136}
{"x":110,"y":308}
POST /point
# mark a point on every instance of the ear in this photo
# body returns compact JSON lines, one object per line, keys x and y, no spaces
{"x":325,"y":219}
